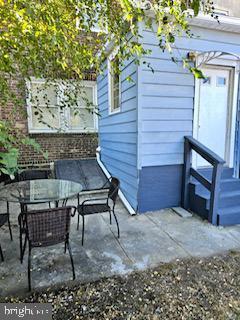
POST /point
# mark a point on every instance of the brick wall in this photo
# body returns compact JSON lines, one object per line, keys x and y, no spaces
{"x":60,"y":146}
{"x":18,"y":115}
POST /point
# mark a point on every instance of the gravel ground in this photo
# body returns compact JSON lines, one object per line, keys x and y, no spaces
{"x":188,"y":289}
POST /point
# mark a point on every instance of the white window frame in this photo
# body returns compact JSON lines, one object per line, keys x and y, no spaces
{"x":110,"y":86}
{"x":64,"y":114}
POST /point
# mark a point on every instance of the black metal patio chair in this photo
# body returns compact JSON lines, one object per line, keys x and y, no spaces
{"x":1,"y":254}
{"x":100,"y":205}
{"x":45,"y":228}
{"x":5,"y":219}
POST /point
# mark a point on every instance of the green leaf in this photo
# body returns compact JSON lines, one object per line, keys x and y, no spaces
{"x":31,"y":142}
{"x":45,"y":155}
{"x":9,"y":159}
{"x":196,"y":6}
{"x":51,"y":39}
{"x":197,"y":73}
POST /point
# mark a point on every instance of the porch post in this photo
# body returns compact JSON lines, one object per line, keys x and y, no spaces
{"x":215,"y":193}
{"x":237,"y":137}
{"x":186,"y":174}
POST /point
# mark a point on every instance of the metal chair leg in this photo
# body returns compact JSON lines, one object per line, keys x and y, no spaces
{"x":24,"y":247}
{"x":9,"y":224}
{"x":83,"y":228}
{"x":78,"y":221}
{"x":71,"y":258}
{"x":116,"y":223}
{"x":110,"y":216}
{"x":21,"y":255}
{"x":1,"y":254}
{"x":20,"y":240}
{"x":29,"y":268}
{"x":10,"y":229}
{"x":64,"y":202}
{"x":22,"y":225}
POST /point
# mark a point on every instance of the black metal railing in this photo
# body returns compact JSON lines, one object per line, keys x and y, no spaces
{"x":213,"y":186}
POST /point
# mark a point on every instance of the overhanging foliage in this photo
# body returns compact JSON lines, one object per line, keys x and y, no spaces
{"x":54,"y":39}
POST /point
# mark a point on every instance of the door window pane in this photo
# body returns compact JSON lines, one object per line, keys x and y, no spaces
{"x":221,"y":81}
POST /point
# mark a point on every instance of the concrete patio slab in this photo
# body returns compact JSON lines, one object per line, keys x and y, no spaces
{"x":197,"y":237}
{"x":146,"y":241}
{"x":145,"y":245}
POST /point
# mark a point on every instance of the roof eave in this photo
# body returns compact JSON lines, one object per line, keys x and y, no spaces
{"x":224,"y":23}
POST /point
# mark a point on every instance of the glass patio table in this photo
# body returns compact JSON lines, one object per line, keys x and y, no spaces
{"x":40,"y":191}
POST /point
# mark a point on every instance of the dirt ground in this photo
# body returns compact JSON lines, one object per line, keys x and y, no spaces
{"x":187,"y":289}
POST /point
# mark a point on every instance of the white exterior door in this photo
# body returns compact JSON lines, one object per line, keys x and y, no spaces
{"x":213,"y":117}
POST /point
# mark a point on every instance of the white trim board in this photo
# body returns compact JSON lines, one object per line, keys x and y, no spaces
{"x":226,"y":23}
{"x":121,"y":195}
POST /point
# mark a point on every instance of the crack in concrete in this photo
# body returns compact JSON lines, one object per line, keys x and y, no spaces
{"x":174,"y":240}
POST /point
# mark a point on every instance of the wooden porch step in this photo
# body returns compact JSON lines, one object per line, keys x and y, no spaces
{"x":229,"y":184}
{"x":229,"y":216}
{"x":207,"y":172}
{"x":229,"y":202}
{"x":227,"y":198}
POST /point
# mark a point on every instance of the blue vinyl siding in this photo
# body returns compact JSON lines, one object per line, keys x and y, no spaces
{"x":166,"y":101}
{"x":143,"y":144}
{"x":118,"y":132}
{"x":159,"y":187}
{"x":166,"y":110}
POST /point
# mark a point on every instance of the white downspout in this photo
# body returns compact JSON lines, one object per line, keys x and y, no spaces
{"x":121,"y":195}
